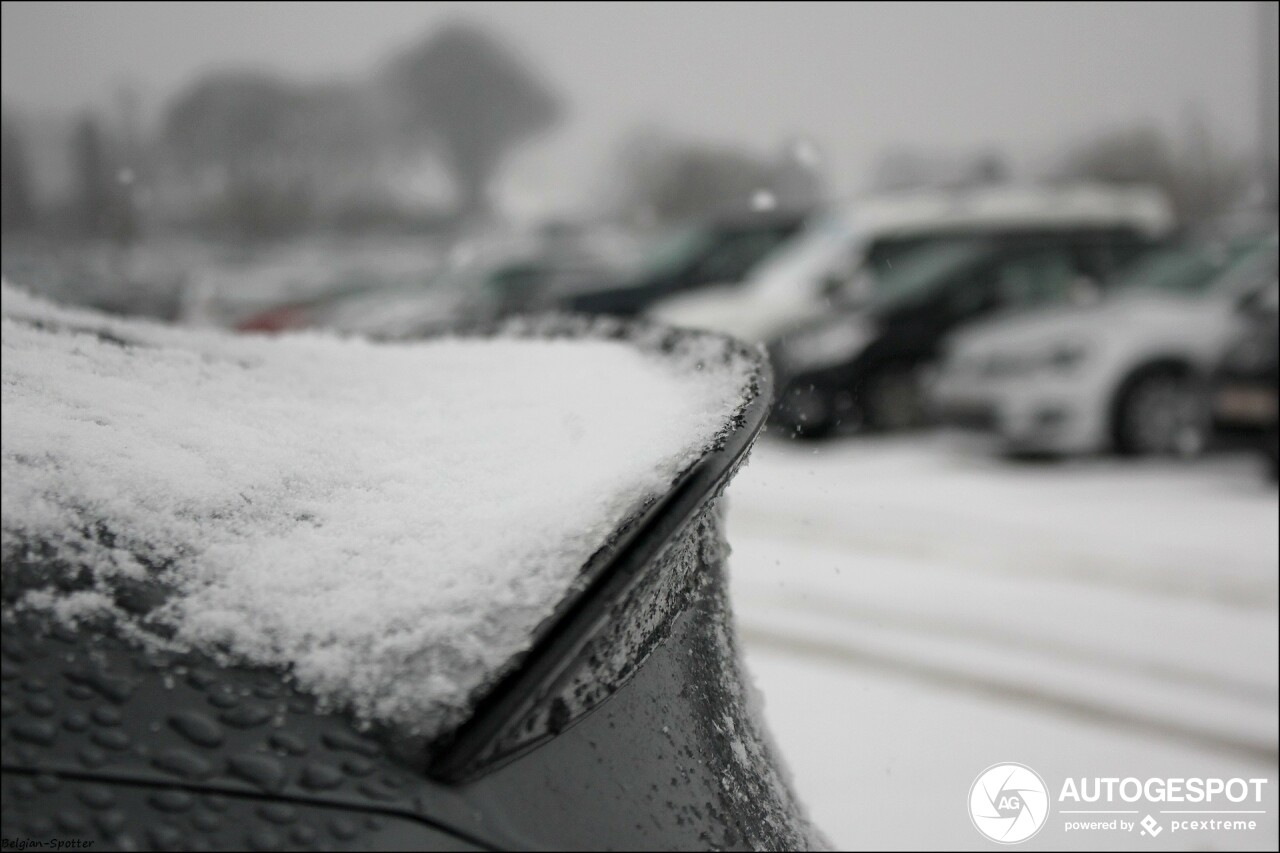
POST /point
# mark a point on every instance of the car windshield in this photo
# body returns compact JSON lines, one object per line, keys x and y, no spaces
{"x":672,"y":253}
{"x":807,"y":259}
{"x":1190,"y":269}
{"x":735,"y":252}
{"x":922,"y":271}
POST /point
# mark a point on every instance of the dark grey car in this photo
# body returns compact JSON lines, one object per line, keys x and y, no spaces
{"x":626,"y":725}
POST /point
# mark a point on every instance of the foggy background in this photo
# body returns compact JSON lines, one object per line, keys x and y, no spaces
{"x":885,"y":95}
{"x":914,"y":609}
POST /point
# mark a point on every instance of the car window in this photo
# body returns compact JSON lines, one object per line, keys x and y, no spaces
{"x":1036,"y":278}
{"x":918,"y":274}
{"x":672,"y":253}
{"x":737,"y":255}
{"x":806,"y":260}
{"x":1191,"y":269}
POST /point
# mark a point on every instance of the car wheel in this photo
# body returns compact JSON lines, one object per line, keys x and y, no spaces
{"x":1161,"y":412}
{"x":892,"y":399}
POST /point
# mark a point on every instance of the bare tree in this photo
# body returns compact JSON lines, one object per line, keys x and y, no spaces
{"x":906,"y":168}
{"x":244,"y":125}
{"x":92,"y":176}
{"x":1201,"y":179}
{"x":669,"y":180}
{"x":17,"y":205}
{"x":246,"y":135}
{"x":469,"y":97}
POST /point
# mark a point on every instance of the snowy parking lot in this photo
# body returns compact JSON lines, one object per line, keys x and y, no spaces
{"x":915,"y":610}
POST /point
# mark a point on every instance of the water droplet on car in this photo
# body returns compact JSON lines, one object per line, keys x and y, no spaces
{"x":182,"y":763}
{"x":278,"y":813}
{"x":105,"y":715}
{"x":172,"y":801}
{"x":358,"y":766}
{"x":303,"y":835}
{"x":261,"y":770}
{"x":40,"y":732}
{"x":79,"y":691}
{"x":288,"y":742}
{"x":91,"y":757}
{"x":223,"y":698}
{"x":321,"y":777}
{"x":112,"y":739}
{"x":114,"y":688}
{"x":165,"y":837}
{"x":197,"y":728}
{"x":246,"y":716}
{"x":344,"y":741}
{"x":110,"y":823}
{"x":200,"y":678}
{"x":96,"y":796}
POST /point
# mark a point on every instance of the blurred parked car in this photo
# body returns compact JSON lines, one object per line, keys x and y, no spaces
{"x":474,"y":292}
{"x":864,"y":367}
{"x":621,"y":721}
{"x":1126,"y":374}
{"x":1244,"y":384}
{"x":839,"y":260}
{"x":232,"y":285}
{"x":463,"y":291}
{"x":720,"y":253}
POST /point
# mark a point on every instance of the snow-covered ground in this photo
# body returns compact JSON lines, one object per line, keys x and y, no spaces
{"x":915,"y":611}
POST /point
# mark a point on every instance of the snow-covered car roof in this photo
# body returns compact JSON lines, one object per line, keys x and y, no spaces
{"x":389,"y":522}
{"x":832,"y":237}
{"x":1012,"y":206}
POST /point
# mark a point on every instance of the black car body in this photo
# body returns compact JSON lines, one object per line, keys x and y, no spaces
{"x":862,"y":367}
{"x":626,"y":725}
{"x":1244,"y":383}
{"x":701,"y":256}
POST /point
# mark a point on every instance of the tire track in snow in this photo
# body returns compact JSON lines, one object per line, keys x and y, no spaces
{"x":1033,"y":696}
{"x":973,"y":552}
{"x":922,"y":625}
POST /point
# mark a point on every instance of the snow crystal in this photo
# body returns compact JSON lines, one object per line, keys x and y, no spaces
{"x":806,"y":153}
{"x":391,"y":522}
{"x":763,"y":200}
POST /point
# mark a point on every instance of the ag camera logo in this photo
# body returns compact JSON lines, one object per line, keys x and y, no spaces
{"x":1008,"y":803}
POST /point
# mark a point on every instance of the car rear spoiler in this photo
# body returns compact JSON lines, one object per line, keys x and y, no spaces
{"x":610,"y":576}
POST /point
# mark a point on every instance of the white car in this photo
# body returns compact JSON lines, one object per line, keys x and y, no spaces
{"x":1124,"y":374}
{"x":835,"y":260}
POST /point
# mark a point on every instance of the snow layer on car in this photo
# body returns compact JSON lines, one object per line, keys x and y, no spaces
{"x":390,"y":522}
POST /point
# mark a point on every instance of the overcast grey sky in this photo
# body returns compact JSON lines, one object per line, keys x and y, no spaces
{"x":857,"y":79}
